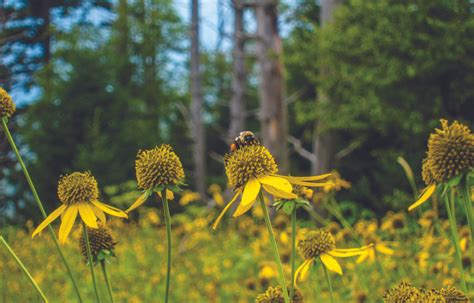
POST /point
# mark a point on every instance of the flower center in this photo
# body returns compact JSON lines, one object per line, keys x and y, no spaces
{"x":77,"y":188}
{"x":316,"y":243}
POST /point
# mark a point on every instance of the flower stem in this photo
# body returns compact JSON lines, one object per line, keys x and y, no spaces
{"x":107,"y":281}
{"x":454,"y":237}
{"x":328,"y":279}
{"x":25,"y":270}
{"x":166,"y":211}
{"x":91,"y":262}
{"x":40,"y":204}
{"x":466,"y":196}
{"x":293,"y":252}
{"x":276,"y":255}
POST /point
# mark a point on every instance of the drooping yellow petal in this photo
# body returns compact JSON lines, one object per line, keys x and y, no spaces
{"x":110,"y":209}
{"x":68,"y":220}
{"x":87,"y":215}
{"x":425,"y":196}
{"x":52,"y":216}
{"x":384,"y":249}
{"x":142,"y":199}
{"x":362,"y":258}
{"x":331,"y":263}
{"x":346,"y":254}
{"x":251,"y":190}
{"x":306,"y":178}
{"x":169,"y":195}
{"x":221,"y":215}
{"x":362,"y":248}
{"x":279,"y":193}
{"x":277,"y":182}
{"x":311,"y":184}
{"x":301,"y":274}
{"x":99,"y":214}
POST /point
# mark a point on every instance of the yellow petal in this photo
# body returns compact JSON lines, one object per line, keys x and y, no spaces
{"x":311,"y":184}
{"x":362,"y":258}
{"x":221,"y":215}
{"x":138,"y":202}
{"x":169,"y":194}
{"x":307,"y":178}
{"x":251,"y":190}
{"x":279,"y":193}
{"x":99,"y":214}
{"x":363,"y":248}
{"x":87,"y":215}
{"x":331,"y":263}
{"x":425,"y":196}
{"x":385,"y":250}
{"x":52,"y":216}
{"x":277,"y":182}
{"x":301,"y":274}
{"x":110,"y":209}
{"x":68,"y":220}
{"x":346,"y":254}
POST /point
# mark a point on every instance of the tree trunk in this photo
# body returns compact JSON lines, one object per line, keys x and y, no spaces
{"x":273,"y":109}
{"x":323,"y":139}
{"x":237,"y":102}
{"x":197,"y":131}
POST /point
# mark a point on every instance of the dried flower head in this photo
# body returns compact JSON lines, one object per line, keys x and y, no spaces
{"x":450,"y":152}
{"x":404,"y":292}
{"x":158,"y":166}
{"x":275,"y":295}
{"x":248,"y":162}
{"x":101,"y":241}
{"x":7,"y":107}
{"x":316,"y":243}
{"x":77,"y":188}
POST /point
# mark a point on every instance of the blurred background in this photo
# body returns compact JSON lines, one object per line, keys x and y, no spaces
{"x":326,"y":85}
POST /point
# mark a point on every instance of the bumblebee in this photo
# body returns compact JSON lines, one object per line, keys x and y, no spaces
{"x":245,"y":138}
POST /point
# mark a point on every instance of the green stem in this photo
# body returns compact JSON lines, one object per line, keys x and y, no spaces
{"x":328,"y":279}
{"x":18,"y":261}
{"x":107,"y":281}
{"x":466,"y":196}
{"x":40,"y":205}
{"x":273,"y":243}
{"x":166,"y":211}
{"x":293,"y":252}
{"x":454,"y":237}
{"x":91,"y":262}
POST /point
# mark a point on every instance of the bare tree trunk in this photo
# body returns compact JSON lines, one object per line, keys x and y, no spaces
{"x":199,"y":150}
{"x":237,"y":102}
{"x":273,"y":109}
{"x":323,"y":140}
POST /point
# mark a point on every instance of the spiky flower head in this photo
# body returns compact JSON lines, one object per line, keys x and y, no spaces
{"x":275,"y":295}
{"x":7,"y":107}
{"x":101,"y":241}
{"x":316,"y":243}
{"x":77,"y":188}
{"x":452,"y":295}
{"x":248,"y":162}
{"x":404,"y":292}
{"x":450,"y":152}
{"x":159,"y":166}
{"x":432,"y":296}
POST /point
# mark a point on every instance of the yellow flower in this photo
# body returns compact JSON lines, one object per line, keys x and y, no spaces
{"x":377,"y":247}
{"x":188,"y":197}
{"x":7,"y":107}
{"x":252,"y":168}
{"x":320,"y":244}
{"x":275,"y":295}
{"x":79,"y":194}
{"x":337,"y":183}
{"x":404,"y":292}
{"x":157,"y":169}
{"x":450,"y":153}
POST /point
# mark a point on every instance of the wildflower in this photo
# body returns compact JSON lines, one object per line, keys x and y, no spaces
{"x":378,"y":247}
{"x":252,"y":168}
{"x":157,"y":169}
{"x":320,"y":244}
{"x":336,"y":183}
{"x":101,"y":241}
{"x":404,"y":292}
{"x":452,"y":295}
{"x":394,"y":222}
{"x":188,"y":197}
{"x":79,"y":194}
{"x":275,"y":295}
{"x":7,"y":107}
{"x":450,"y":154}
{"x":266,"y":274}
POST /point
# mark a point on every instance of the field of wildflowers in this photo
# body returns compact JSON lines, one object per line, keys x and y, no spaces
{"x":289,"y":241}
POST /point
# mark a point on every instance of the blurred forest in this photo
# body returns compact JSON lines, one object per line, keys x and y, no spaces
{"x":345,"y":85}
